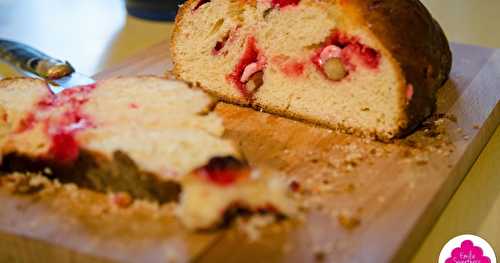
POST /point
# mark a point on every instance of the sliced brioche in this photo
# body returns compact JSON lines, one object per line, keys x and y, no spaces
{"x":150,"y":137}
{"x":367,"y":67}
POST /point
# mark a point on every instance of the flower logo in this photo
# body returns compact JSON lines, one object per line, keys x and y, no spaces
{"x":467,"y":249}
{"x":467,"y":253}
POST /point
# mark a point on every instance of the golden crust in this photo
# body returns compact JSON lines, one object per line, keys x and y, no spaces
{"x":173,"y":41}
{"x":416,"y":41}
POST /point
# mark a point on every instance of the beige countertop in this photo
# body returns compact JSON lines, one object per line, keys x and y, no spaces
{"x":95,"y":35}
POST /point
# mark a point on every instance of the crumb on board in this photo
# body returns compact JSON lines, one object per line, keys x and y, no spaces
{"x":121,"y":199}
{"x":452,"y":117}
{"x":406,"y":153}
{"x":69,"y":194}
{"x":422,"y":162}
{"x":319,"y":255}
{"x":348,"y":221}
{"x":25,"y":184}
{"x":351,"y":188}
{"x":294,"y":186}
{"x":321,"y":252}
{"x":253,"y":225}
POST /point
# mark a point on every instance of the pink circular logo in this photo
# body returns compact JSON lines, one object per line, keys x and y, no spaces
{"x":467,"y":249}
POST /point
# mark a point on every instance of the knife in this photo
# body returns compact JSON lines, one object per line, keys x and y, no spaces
{"x":28,"y":61}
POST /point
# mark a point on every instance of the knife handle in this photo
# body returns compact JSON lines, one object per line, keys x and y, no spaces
{"x":33,"y":61}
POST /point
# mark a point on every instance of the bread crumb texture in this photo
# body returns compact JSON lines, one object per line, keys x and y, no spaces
{"x":318,"y":61}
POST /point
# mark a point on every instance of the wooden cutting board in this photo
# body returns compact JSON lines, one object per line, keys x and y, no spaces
{"x":362,"y":201}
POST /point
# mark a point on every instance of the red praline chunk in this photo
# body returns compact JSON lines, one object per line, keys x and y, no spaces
{"x":61,"y":125}
{"x":284,"y":3}
{"x":224,"y":171}
{"x":250,"y":55}
{"x":351,"y":50}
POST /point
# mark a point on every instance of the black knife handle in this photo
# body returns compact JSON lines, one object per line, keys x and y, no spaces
{"x":33,"y":61}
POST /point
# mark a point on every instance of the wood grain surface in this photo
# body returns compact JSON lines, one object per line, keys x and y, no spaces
{"x":362,"y":201}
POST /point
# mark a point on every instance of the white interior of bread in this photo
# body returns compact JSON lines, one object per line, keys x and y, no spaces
{"x":16,"y":100}
{"x":162,"y":125}
{"x":368,"y":100}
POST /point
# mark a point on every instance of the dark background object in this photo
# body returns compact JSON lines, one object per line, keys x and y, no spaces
{"x":158,"y":10}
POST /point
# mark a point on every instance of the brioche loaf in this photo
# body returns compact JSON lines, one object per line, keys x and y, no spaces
{"x":369,"y":67}
{"x":151,"y":137}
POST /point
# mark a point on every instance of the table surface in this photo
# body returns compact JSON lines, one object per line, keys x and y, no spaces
{"x":95,"y":35}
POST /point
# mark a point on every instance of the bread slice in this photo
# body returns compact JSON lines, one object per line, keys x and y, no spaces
{"x":370,"y":67}
{"x":151,"y":137}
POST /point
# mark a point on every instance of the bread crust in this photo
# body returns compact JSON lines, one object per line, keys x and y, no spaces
{"x":173,"y":41}
{"x":415,"y":43}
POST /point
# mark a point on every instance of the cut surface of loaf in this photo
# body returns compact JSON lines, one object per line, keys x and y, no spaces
{"x":366,"y":67}
{"x":151,"y":137}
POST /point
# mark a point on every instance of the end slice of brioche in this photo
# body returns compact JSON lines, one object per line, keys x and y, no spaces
{"x":151,"y":137}
{"x":365,"y":67}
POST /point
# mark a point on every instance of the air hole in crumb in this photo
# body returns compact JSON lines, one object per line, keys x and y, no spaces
{"x":216,"y":26}
{"x":203,"y":113}
{"x":267,"y":12}
{"x":314,"y":46}
{"x":220,"y":44}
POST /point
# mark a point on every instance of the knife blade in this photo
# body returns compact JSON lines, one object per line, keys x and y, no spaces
{"x":28,"y":61}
